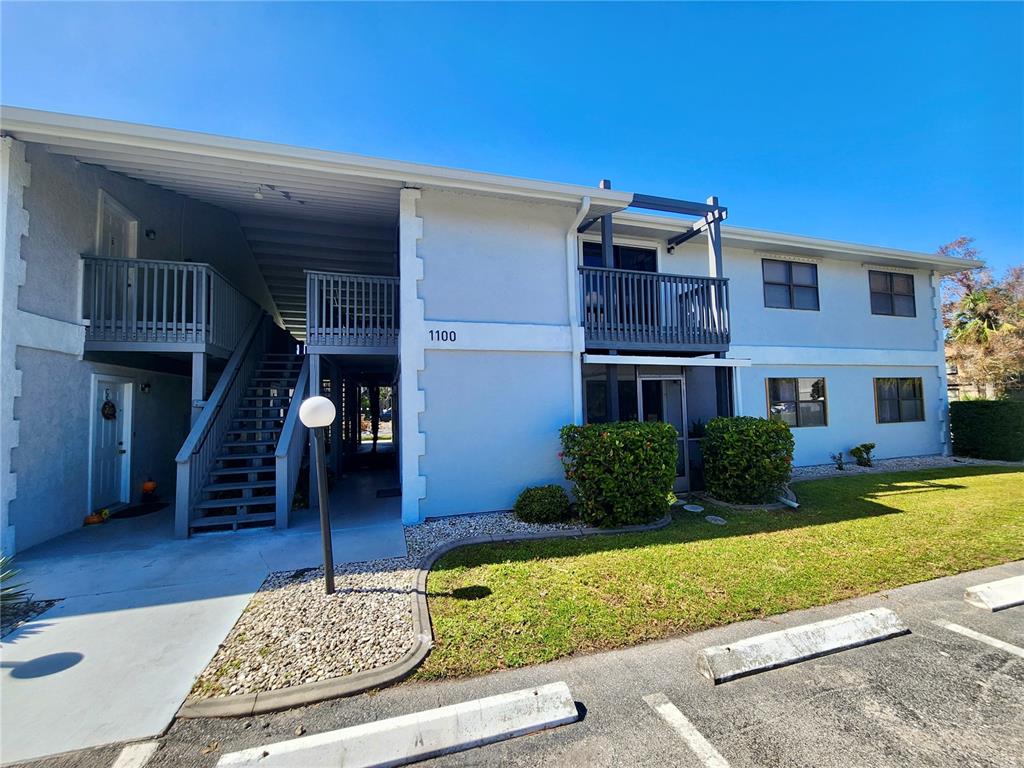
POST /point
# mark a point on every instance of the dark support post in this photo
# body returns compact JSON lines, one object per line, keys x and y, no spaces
{"x":325,"y":514}
{"x":723,"y":391}
{"x":714,"y":242}
{"x":375,"y":413}
{"x":607,"y":251}
{"x":612,"y":372}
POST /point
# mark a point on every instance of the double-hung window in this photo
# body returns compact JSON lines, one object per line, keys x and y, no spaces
{"x":899,"y":400}
{"x":892,"y":293}
{"x":798,"y":402}
{"x":790,"y":284}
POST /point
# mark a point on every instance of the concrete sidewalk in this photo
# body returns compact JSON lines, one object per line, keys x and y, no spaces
{"x":142,"y":613}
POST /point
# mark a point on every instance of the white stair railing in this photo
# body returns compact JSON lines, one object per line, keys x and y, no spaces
{"x":290,"y":447}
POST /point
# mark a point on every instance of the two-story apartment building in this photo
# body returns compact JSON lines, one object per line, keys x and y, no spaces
{"x":170,"y":297}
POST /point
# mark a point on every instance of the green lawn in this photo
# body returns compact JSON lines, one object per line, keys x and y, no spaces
{"x":508,"y":605}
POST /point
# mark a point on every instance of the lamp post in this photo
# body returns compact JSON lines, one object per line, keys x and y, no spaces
{"x":317,"y":413}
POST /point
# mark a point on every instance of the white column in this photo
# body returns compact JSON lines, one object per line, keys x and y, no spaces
{"x":411,"y":339}
{"x":198,"y":384}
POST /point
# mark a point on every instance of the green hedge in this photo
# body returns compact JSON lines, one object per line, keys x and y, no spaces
{"x":622,"y":473}
{"x":988,"y":429}
{"x":543,"y":504}
{"x":746,"y":459}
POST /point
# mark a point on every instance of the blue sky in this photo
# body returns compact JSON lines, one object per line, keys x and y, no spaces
{"x":893,"y":124}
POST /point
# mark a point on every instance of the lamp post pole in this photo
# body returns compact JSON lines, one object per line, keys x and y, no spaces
{"x":316,"y":413}
{"x":325,"y":513}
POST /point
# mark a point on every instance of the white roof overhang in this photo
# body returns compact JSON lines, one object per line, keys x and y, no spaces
{"x":293,"y":181}
{"x":629,"y":224}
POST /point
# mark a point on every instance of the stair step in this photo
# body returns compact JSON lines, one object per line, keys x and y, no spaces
{"x":251,"y":501}
{"x":251,"y":430}
{"x":239,"y":486}
{"x":247,"y":443}
{"x":241,"y":470}
{"x":212,"y":520}
{"x":277,"y":398}
{"x":240,"y":456}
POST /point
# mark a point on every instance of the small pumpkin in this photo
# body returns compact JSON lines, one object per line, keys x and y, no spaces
{"x":149,"y":486}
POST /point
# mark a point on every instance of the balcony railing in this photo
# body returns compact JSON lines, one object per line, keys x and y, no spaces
{"x":649,"y":310}
{"x":351,"y":311}
{"x":149,"y":304}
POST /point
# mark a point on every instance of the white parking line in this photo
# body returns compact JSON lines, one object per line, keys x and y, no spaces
{"x":994,"y":642}
{"x":136,"y":755}
{"x":700,"y":746}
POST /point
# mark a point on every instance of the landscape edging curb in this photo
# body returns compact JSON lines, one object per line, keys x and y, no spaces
{"x":248,"y":704}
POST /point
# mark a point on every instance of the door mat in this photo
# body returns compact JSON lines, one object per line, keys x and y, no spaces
{"x":387,"y":493}
{"x":138,"y":510}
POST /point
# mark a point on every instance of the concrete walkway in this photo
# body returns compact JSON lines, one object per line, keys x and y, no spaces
{"x":142,"y":613}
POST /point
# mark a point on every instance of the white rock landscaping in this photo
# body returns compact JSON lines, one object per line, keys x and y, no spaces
{"x":890,"y":465}
{"x":293,"y":633}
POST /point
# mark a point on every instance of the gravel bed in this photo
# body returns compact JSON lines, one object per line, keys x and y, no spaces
{"x":14,"y":614}
{"x":892,"y":465}
{"x":291,"y":632}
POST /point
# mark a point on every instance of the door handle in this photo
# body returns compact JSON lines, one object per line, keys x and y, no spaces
{"x":122,"y":451}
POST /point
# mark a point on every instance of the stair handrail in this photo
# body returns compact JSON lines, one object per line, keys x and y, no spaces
{"x":290,"y":445}
{"x":229,"y":388}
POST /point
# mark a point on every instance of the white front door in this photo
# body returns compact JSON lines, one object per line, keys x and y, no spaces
{"x":111,"y":438}
{"x":117,"y":231}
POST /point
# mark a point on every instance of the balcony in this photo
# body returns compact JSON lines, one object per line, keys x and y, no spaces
{"x":351,"y":314}
{"x":624,"y":309}
{"x":161,"y":306}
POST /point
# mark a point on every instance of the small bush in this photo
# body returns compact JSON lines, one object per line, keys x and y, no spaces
{"x":622,"y":473}
{"x":746,"y":459}
{"x":988,"y":429}
{"x":543,"y":504}
{"x":862,"y":454}
{"x":839,"y":460}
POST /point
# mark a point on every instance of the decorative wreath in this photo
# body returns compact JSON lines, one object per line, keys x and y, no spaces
{"x":108,"y":410}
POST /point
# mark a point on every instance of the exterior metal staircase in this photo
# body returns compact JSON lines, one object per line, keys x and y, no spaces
{"x":240,"y":489}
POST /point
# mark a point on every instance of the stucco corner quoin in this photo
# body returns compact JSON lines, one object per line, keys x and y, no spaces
{"x":411,"y":343}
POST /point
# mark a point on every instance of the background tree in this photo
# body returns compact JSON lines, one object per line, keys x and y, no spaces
{"x":984,"y":320}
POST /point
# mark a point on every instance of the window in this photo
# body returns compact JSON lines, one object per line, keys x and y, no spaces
{"x":892,"y":293}
{"x":597,"y":409}
{"x":790,"y":284}
{"x":625,"y":257}
{"x":797,"y":402}
{"x":898,"y":400}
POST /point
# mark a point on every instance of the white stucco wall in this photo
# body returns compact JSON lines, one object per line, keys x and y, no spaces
{"x":45,"y":448}
{"x":491,"y":424}
{"x":498,"y":384}
{"x":52,"y":459}
{"x":851,"y":411}
{"x":62,"y":204}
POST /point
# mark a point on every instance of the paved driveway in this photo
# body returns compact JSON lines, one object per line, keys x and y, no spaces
{"x":142,"y":613}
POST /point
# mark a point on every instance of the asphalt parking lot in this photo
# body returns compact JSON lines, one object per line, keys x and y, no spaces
{"x":934,"y":697}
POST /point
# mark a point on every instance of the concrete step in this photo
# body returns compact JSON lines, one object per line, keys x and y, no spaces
{"x":251,"y":517}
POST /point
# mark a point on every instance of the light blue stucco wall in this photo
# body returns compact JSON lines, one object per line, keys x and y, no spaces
{"x":491,"y":424}
{"x":851,"y":411}
{"x":492,"y":260}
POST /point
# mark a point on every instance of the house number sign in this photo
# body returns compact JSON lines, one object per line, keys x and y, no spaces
{"x":442,"y":335}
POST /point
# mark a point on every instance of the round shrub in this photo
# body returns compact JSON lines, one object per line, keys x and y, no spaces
{"x":543,"y":504}
{"x":988,"y":429}
{"x":747,"y":460}
{"x":622,"y":473}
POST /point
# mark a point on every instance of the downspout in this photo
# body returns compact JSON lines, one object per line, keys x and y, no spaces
{"x":575,"y":327}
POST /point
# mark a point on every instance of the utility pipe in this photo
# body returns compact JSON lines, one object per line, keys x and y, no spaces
{"x":575,"y":328}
